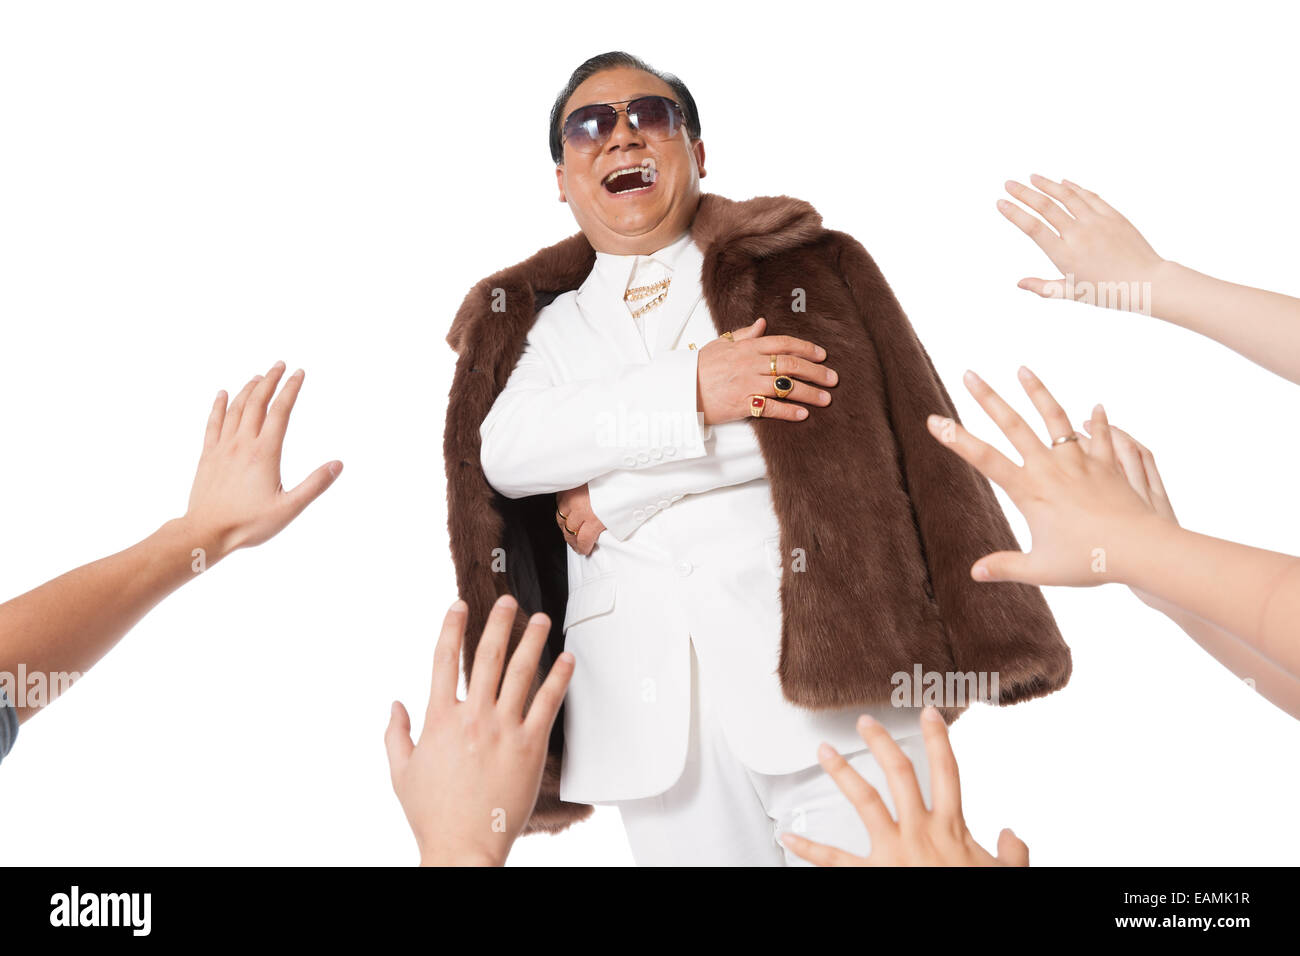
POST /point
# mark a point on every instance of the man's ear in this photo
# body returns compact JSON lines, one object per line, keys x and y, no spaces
{"x":698,"y":149}
{"x":559,"y":180}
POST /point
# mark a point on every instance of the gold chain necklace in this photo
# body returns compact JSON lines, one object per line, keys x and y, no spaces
{"x":649,"y":305}
{"x":637,"y":293}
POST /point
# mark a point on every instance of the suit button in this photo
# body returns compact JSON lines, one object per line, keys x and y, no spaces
{"x":629,"y":460}
{"x":670,"y":451}
{"x":639,"y":515}
{"x":684,"y":568}
{"x":642,"y":457}
{"x":650,"y":509}
{"x":663,"y":503}
{"x":657,"y":453}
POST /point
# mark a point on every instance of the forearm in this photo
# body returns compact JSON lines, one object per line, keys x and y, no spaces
{"x":547,"y":439}
{"x":66,"y":625}
{"x":1271,"y":681}
{"x":1251,"y":593}
{"x":624,"y":500}
{"x":1260,"y":325}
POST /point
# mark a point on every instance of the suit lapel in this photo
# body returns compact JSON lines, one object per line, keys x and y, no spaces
{"x":600,"y":303}
{"x":679,"y":305}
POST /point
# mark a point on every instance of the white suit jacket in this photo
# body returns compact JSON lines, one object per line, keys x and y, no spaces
{"x":692,"y":546}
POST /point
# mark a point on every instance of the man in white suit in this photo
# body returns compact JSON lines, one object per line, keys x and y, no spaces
{"x":675,"y":712}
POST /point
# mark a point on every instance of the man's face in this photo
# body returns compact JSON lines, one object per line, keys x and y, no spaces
{"x":614,"y":218}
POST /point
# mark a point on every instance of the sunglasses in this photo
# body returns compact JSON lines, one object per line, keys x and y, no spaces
{"x":588,"y":128}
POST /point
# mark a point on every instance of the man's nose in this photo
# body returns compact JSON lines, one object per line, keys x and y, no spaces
{"x":624,"y":135}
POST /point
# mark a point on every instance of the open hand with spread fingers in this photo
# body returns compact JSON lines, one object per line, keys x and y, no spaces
{"x":748,"y":374}
{"x":1085,"y":518}
{"x":237,"y":499}
{"x":920,"y":836}
{"x":1100,"y":252}
{"x":470,"y":784}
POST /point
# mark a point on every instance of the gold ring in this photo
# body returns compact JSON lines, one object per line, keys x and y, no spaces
{"x":563,"y":516}
{"x":570,"y":530}
{"x":773,"y":364}
{"x":783,"y":385}
{"x":1064,"y":439}
{"x":756,"y":405}
{"x":728,"y":336}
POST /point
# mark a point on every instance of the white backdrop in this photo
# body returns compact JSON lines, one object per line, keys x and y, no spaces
{"x":191,"y":191}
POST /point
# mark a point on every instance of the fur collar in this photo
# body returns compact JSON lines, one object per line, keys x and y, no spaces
{"x":724,"y":229}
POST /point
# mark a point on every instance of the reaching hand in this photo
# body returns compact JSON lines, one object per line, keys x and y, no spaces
{"x":919,"y":837}
{"x":1100,"y":250}
{"x":471,"y":782}
{"x":1085,"y":518}
{"x":237,"y":500}
{"x":576,"y":521}
{"x":1139,"y":467}
{"x":732,"y":371}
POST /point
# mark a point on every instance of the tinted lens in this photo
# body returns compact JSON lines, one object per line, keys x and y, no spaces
{"x":587,"y":128}
{"x":655,"y":116}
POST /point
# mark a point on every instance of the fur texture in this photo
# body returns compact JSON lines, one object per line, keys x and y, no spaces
{"x":889,"y":522}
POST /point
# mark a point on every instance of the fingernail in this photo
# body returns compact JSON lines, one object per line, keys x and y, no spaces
{"x":566,"y":656}
{"x":825,"y":751}
{"x":459,"y":605}
{"x":866,"y":720}
{"x":970,"y":378}
{"x":335,"y":468}
{"x":801,"y":413}
{"x":931,"y":713}
{"x":980,"y":573}
{"x":1024,"y":372}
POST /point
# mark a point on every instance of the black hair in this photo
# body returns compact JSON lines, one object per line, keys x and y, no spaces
{"x":607,"y":61}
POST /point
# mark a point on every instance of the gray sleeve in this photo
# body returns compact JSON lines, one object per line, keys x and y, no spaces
{"x":8,"y":725}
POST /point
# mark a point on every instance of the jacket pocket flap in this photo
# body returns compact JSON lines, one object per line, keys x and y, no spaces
{"x":590,"y":599}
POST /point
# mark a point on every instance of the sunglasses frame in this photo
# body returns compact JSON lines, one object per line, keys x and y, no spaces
{"x":627,"y":110}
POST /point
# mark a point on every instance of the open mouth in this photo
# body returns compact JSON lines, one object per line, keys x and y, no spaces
{"x":631,"y":179}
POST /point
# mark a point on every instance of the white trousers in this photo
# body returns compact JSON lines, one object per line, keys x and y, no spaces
{"x":721,"y":813}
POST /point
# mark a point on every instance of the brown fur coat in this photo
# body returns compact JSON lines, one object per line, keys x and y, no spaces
{"x":889,"y":520}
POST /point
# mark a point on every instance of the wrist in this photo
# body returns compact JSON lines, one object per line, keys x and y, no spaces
{"x":1166,"y":288}
{"x":459,"y":856}
{"x":202,"y":545}
{"x":1143,"y":546}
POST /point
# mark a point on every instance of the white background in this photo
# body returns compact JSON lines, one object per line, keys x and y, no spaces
{"x":189,"y":192}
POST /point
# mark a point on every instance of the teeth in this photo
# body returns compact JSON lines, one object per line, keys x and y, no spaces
{"x":646,"y":170}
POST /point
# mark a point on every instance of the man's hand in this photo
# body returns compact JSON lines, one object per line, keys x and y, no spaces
{"x":730,"y":372}
{"x":237,"y":500}
{"x":919,"y":837}
{"x":575,"y":519}
{"x":1092,"y":243}
{"x":471,"y":782}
